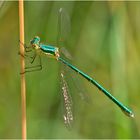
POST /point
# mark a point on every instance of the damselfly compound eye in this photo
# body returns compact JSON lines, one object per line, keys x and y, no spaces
{"x":35,"y":40}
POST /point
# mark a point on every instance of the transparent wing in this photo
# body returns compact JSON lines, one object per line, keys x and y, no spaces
{"x":76,"y":80}
{"x":64,"y":29}
{"x":66,"y":74}
{"x":67,"y":103}
{"x":63,"y":32}
{"x":63,"y":26}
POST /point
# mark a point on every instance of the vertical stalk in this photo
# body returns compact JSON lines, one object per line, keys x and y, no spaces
{"x":23,"y":85}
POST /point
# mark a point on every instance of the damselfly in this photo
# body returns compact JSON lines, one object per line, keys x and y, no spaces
{"x":53,"y":51}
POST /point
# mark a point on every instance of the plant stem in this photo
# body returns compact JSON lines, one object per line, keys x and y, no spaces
{"x":23,"y":84}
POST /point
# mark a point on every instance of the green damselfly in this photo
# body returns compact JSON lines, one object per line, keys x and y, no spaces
{"x":53,"y":51}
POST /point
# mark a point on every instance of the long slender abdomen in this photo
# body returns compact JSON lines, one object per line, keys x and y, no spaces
{"x":127,"y":111}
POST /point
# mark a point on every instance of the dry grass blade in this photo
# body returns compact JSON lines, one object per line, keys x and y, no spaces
{"x":23,"y":85}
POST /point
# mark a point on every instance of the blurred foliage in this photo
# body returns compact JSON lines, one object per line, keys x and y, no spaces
{"x":104,"y":42}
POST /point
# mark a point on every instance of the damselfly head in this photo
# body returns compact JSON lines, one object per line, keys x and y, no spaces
{"x":35,"y":40}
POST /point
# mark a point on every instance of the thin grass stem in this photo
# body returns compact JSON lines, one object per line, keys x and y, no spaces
{"x":23,"y":84}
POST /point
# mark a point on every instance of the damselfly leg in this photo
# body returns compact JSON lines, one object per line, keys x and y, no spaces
{"x":36,"y":67}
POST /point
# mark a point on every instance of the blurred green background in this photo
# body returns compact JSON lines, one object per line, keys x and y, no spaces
{"x":104,"y":42}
